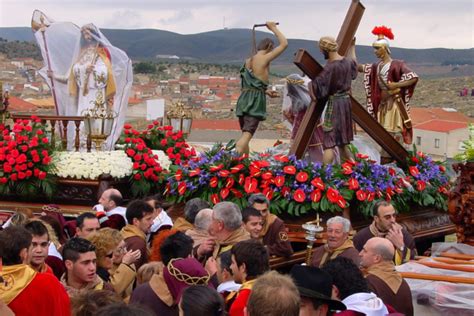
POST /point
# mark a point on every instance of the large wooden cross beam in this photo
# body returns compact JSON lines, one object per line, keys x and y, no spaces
{"x":312,"y":68}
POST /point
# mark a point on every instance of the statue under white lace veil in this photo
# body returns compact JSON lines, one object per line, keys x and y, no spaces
{"x":296,"y":101}
{"x":86,"y":69}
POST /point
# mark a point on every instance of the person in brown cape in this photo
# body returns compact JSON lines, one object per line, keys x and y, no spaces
{"x":385,"y":225}
{"x":251,"y":105}
{"x":338,"y":243}
{"x":332,"y":86}
{"x":273,"y":234}
{"x":383,"y":278}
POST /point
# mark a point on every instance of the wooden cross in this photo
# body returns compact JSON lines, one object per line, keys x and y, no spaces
{"x":312,"y":68}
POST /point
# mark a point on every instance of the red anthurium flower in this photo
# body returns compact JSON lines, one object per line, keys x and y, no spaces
{"x":216,"y":168}
{"x":224,"y":193}
{"x":341,"y":202}
{"x":179,"y":174}
{"x":214,"y":198}
{"x":236,"y":168}
{"x":362,"y":156}
{"x":302,"y":176}
{"x":420,"y":185}
{"x":250,"y":185}
{"x":421,"y":154}
{"x":182,"y":188}
{"x":443,"y":190}
{"x":281,"y":158}
{"x":346,"y":168}
{"x":371,"y":196}
{"x":415,"y":160}
{"x":332,"y":195}
{"x":263,"y":163}
{"x":351,"y":161}
{"x":285,"y":191}
{"x":389,"y":191}
{"x":299,"y":195}
{"x":229,"y":183}
{"x":224,"y":173}
{"x":254,"y":169}
{"x":213,"y":182}
{"x":442,"y":168}
{"x":236,"y":193}
{"x":318,"y":183}
{"x":361,"y":195}
{"x":315,"y":196}
{"x":241,"y":179}
{"x":414,"y":171}
{"x":391,"y":171}
{"x":289,"y":169}
{"x":267,"y":175}
{"x":195,"y":172}
{"x":268,"y":193}
{"x":353,"y":184}
{"x":279,"y":181}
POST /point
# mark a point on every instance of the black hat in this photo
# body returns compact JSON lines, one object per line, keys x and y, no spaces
{"x":315,"y":283}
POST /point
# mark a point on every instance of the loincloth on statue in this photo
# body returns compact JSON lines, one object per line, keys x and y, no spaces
{"x":248,"y":123}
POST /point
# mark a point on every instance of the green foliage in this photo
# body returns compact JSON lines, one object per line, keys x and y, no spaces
{"x":144,"y":68}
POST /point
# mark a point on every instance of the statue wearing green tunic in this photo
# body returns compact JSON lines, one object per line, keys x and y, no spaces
{"x":252,"y":100}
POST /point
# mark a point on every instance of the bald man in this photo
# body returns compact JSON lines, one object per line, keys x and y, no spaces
{"x":377,"y":260}
{"x":114,"y":216}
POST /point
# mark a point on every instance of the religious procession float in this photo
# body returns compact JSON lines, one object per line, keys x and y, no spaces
{"x":72,"y":157}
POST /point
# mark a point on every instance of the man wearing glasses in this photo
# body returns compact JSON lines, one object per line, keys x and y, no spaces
{"x":385,"y":225}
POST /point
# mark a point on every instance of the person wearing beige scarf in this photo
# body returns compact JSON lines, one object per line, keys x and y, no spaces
{"x":383,"y":278}
{"x":385,"y":225}
{"x":338,"y":243}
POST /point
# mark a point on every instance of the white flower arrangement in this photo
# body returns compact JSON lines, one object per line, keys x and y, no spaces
{"x":84,"y":165}
{"x":163,"y":159}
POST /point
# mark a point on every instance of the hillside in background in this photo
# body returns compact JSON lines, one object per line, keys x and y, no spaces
{"x":231,"y":46}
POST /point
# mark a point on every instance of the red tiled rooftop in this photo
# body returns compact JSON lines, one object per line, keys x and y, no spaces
{"x":222,"y":125}
{"x":422,"y":115}
{"x":20,"y":105}
{"x":441,"y":126}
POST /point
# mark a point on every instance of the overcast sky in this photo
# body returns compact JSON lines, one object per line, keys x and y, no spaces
{"x":415,"y":23}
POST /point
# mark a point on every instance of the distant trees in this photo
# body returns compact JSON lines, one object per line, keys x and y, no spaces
{"x":17,"y":49}
{"x":144,"y":67}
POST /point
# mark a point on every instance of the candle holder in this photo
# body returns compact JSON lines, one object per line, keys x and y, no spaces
{"x":311,"y":230}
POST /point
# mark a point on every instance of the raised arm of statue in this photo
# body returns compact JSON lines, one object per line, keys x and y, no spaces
{"x":283,"y":42}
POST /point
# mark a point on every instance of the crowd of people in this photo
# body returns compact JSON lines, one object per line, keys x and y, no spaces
{"x":136,"y":260}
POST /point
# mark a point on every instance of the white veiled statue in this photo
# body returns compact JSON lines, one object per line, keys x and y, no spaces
{"x":86,"y":69}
